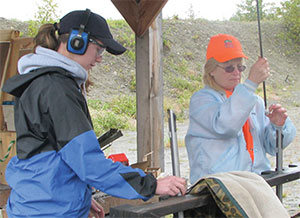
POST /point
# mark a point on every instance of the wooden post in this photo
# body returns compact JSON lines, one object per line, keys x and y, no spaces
{"x":150,"y":95}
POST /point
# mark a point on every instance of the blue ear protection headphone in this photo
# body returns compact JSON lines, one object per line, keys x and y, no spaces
{"x":78,"y":38}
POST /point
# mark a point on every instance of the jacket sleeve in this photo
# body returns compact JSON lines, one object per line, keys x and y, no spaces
{"x":85,"y":157}
{"x":218,"y":116}
{"x":288,"y":131}
{"x":79,"y":149}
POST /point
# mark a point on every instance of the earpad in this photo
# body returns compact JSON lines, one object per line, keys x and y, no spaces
{"x":77,"y":42}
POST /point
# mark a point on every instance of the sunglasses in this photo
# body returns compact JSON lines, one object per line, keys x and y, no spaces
{"x":102,"y":47}
{"x":231,"y":68}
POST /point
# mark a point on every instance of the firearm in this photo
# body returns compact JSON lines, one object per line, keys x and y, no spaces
{"x":107,"y":138}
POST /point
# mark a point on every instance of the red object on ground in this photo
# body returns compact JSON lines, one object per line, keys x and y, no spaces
{"x":121,"y":157}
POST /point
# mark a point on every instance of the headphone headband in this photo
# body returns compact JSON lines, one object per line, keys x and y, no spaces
{"x":84,"y":24}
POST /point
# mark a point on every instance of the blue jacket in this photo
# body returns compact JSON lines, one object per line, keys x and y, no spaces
{"x":215,"y":141}
{"x":58,"y":155}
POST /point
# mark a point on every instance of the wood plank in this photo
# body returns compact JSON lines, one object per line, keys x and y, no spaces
{"x":107,"y":201}
{"x":6,"y":139}
{"x":139,"y":14}
{"x":4,"y":194}
{"x":7,"y":35}
{"x":148,"y":11}
{"x":162,"y":208}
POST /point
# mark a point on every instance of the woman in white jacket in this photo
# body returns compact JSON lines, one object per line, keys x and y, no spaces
{"x":229,"y":129}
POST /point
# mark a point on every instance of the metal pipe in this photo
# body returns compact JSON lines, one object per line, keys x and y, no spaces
{"x":174,"y":144}
{"x":279,"y":156}
{"x":174,"y":150}
{"x":279,"y":160}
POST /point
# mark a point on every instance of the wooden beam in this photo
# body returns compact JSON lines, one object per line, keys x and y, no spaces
{"x":129,"y":10}
{"x":139,"y":14}
{"x":162,"y":208}
{"x":182,"y":203}
{"x":142,"y":95}
{"x":107,"y":201}
{"x":156,"y":94}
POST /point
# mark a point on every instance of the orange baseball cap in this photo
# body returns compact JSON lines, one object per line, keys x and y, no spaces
{"x":223,"y":47}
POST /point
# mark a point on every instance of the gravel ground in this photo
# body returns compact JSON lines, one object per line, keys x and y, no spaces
{"x":291,"y":190}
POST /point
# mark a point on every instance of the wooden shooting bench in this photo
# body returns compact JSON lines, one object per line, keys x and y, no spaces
{"x":181,"y":203}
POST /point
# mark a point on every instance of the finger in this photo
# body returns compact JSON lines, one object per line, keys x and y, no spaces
{"x":274,"y":107}
{"x":172,"y":191}
{"x":279,"y":111}
{"x":175,"y":189}
{"x":181,"y":180}
{"x":182,"y":185}
{"x":91,"y":214}
{"x":96,"y":206}
{"x":182,"y":189}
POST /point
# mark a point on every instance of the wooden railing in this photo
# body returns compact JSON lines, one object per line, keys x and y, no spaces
{"x":182,"y":203}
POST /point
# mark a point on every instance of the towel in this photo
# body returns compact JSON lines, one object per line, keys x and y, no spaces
{"x":238,"y":194}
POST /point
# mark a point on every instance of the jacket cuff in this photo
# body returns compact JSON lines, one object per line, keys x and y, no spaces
{"x":251,"y":86}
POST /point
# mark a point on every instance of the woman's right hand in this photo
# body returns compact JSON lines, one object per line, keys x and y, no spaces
{"x":259,"y":71}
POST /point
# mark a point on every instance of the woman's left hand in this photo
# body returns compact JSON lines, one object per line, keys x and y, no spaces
{"x":277,"y":114}
{"x":96,"y":210}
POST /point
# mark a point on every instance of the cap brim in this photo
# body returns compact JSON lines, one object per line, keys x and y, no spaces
{"x":113,"y":46}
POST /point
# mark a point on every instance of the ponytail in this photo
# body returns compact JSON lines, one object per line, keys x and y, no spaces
{"x":47,"y":37}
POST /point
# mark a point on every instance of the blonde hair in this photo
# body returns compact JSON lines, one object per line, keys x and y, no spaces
{"x":47,"y":37}
{"x":208,"y":79}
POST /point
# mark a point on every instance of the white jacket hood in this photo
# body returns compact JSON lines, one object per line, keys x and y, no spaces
{"x":44,"y":57}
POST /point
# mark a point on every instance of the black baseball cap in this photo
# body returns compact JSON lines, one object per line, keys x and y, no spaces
{"x":96,"y":26}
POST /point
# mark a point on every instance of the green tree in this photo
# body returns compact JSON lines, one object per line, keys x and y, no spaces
{"x":47,"y":13}
{"x":247,"y":11}
{"x":290,"y":14}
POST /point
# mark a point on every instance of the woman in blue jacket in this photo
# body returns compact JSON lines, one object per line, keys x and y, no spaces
{"x":58,"y":155}
{"x":228,"y":127}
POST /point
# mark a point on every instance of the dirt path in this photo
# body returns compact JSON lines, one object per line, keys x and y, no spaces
{"x":291,"y":190}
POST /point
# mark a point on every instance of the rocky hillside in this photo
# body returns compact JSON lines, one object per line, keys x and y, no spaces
{"x":185,"y":43}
